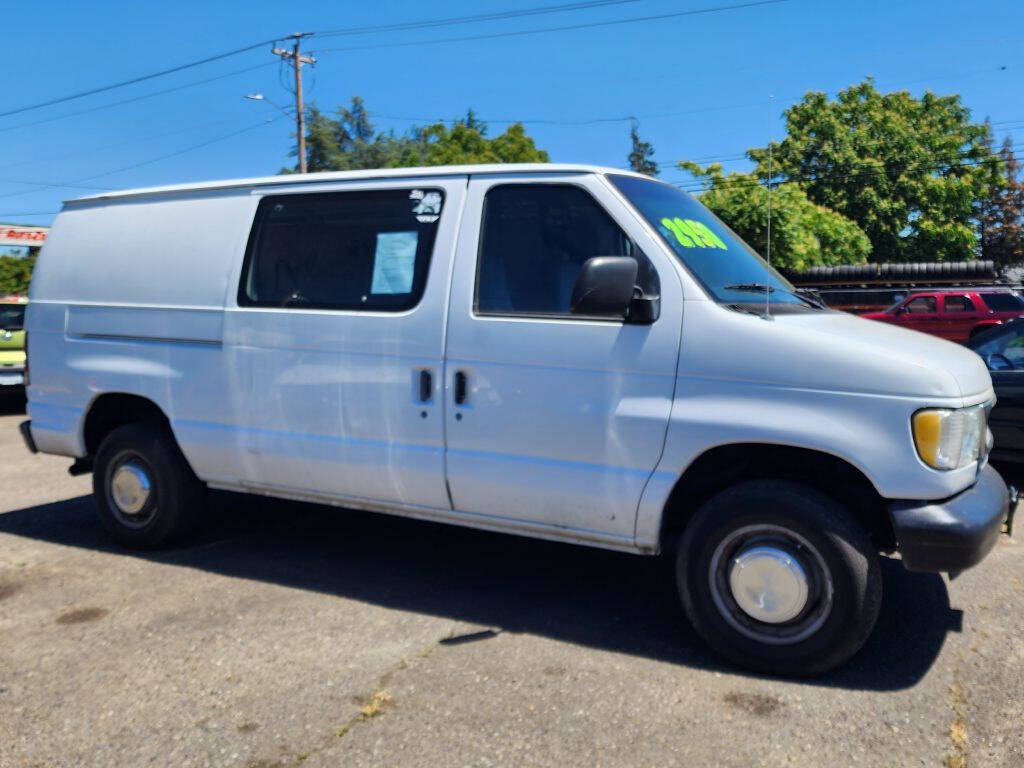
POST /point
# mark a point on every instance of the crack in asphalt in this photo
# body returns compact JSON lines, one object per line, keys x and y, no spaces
{"x":957,"y":757}
{"x":374,"y":705}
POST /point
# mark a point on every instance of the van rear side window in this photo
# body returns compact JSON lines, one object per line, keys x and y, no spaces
{"x":341,"y":250}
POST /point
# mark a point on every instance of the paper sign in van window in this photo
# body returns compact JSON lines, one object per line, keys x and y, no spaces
{"x":691,"y":233}
{"x":394,"y":262}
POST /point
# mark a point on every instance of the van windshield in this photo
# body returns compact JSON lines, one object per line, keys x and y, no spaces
{"x":728,"y":268}
{"x":12,"y":317}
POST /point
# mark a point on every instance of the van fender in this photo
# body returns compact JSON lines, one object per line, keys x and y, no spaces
{"x":855,"y":428}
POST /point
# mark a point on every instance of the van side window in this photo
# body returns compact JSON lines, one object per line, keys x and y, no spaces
{"x":533,"y":241}
{"x":341,"y":250}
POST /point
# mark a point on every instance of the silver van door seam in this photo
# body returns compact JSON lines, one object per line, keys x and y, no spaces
{"x":452,"y":260}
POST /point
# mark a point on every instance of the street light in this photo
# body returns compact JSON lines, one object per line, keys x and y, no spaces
{"x":260,"y":97}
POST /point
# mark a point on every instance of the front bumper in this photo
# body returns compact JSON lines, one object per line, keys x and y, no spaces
{"x":955,"y":533}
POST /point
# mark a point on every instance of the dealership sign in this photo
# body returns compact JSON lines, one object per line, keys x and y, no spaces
{"x":12,"y":234}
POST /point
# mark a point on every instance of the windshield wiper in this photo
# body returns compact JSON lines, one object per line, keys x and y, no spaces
{"x":751,"y":287}
{"x":811,"y":297}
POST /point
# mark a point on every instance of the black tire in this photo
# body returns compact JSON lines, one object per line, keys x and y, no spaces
{"x":833,"y":550}
{"x":175,"y":495}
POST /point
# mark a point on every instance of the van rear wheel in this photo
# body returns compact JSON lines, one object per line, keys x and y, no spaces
{"x":145,"y":492}
{"x":779,"y":578}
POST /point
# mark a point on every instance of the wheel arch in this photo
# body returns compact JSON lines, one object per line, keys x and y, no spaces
{"x":983,"y":326}
{"x":111,"y":410}
{"x":725,"y":465}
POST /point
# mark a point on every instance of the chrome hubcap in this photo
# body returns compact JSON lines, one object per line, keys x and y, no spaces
{"x":768,"y":584}
{"x":130,"y":488}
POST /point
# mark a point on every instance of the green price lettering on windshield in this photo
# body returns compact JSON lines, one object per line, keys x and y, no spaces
{"x":690,"y":233}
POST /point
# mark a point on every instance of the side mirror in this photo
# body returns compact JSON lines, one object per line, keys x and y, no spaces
{"x":604,"y":287}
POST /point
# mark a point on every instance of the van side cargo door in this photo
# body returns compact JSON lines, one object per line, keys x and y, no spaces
{"x":335,"y":339}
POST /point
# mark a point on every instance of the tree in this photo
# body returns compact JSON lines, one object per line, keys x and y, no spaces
{"x":803,"y":234}
{"x":465,"y":144}
{"x":16,"y":272}
{"x":908,"y":171}
{"x":641,"y":153}
{"x":350,"y":141}
{"x":475,"y":123}
{"x":1001,"y":213}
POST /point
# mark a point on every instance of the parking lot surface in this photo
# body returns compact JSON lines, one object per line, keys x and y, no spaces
{"x":285,"y":634}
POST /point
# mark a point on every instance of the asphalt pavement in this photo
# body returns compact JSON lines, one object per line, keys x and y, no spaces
{"x":284,"y":634}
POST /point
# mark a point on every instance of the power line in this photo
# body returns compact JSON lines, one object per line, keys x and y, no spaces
{"x":659,"y":115}
{"x":142,"y":78}
{"x":584,"y":121}
{"x":118,"y":143}
{"x":152,"y":160}
{"x":136,"y":98}
{"x":169,"y":155}
{"x":563,"y":28}
{"x":44,"y":184}
{"x":234,"y":52}
{"x":435,"y":23}
{"x":497,"y":15}
{"x":326,"y":33}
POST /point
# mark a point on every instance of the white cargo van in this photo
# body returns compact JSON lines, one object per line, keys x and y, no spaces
{"x":568,"y":352}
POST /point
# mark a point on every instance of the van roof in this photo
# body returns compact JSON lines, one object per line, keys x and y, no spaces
{"x":377,"y":173}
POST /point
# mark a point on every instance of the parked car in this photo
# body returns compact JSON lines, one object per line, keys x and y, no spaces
{"x":567,"y":352}
{"x":1002,"y":349}
{"x":953,"y":314}
{"x":12,"y":343}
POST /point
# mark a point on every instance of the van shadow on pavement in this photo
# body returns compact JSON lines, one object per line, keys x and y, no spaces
{"x":616,"y":602}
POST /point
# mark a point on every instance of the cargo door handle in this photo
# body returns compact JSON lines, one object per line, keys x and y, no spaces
{"x":426,"y":386}
{"x":460,"y":387}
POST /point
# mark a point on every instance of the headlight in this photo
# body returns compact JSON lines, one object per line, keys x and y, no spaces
{"x":950,"y":439}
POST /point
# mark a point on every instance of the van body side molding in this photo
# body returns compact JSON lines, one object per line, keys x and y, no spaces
{"x":159,"y":324}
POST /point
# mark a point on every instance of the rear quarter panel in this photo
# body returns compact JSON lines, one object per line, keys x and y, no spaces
{"x":128,"y":296}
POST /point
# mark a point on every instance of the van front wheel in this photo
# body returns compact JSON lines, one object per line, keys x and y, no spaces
{"x":779,"y":578}
{"x":145,"y":492}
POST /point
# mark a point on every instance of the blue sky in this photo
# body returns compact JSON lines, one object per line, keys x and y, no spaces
{"x":703,"y":85}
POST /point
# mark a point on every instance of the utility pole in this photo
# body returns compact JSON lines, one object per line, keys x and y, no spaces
{"x":298,"y":59}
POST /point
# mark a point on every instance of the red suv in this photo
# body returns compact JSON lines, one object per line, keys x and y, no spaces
{"x":952,"y":314}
